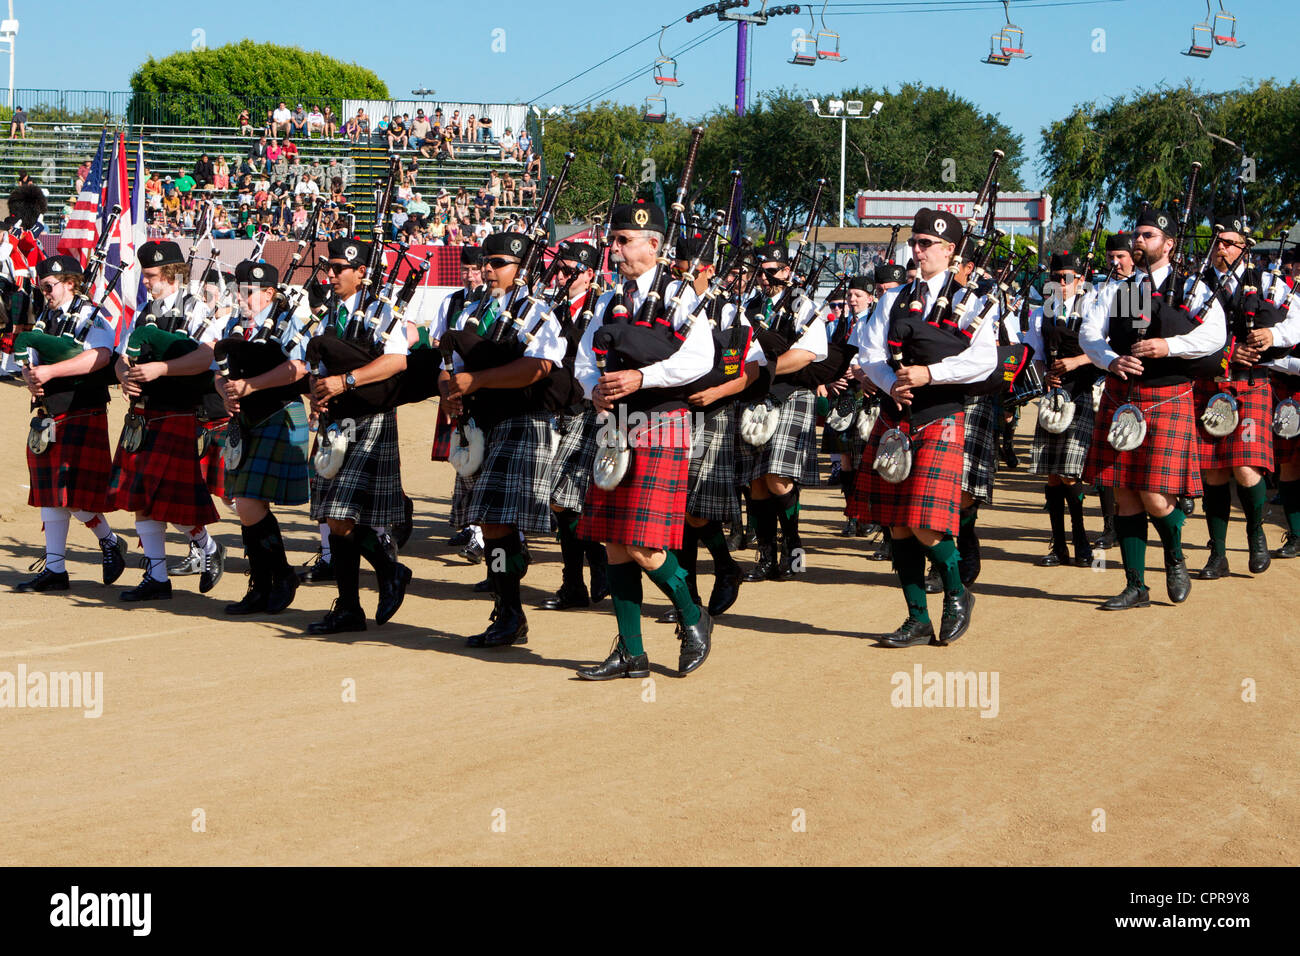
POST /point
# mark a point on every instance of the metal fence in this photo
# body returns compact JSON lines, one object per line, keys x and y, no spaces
{"x":124,"y":107}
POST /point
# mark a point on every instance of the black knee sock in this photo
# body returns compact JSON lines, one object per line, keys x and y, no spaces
{"x":372,"y":549}
{"x":571,"y":548}
{"x":505,"y":555}
{"x":763,"y":511}
{"x":1217,"y":505}
{"x":1253,"y":502}
{"x":711,"y":537}
{"x":272,"y":545}
{"x":787,"y":512}
{"x":688,"y":556}
{"x":1106,"y":500}
{"x":259,"y":572}
{"x":1056,"y":514}
{"x":346,"y":559}
{"x":1074,"y":501}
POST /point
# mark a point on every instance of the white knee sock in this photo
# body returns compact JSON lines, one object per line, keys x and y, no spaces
{"x":56,"y":537}
{"x":325,"y":542}
{"x":96,"y":523}
{"x":153,"y":539}
{"x":477,"y":534}
{"x":203,"y":540}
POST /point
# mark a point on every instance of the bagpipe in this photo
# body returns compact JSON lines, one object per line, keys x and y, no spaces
{"x":624,"y":342}
{"x":501,"y":344}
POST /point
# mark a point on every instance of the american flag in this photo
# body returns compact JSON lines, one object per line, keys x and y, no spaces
{"x":119,"y":253}
{"x":81,"y":231}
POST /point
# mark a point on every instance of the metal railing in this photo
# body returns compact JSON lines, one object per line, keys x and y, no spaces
{"x":125,"y":107}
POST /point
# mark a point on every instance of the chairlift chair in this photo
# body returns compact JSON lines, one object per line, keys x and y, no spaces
{"x":665,"y":72}
{"x":805,"y":45}
{"x":1225,"y":28}
{"x":1202,"y":40}
{"x":828,"y":41}
{"x":1013,"y":37}
{"x":996,"y":57}
{"x":655,"y":110}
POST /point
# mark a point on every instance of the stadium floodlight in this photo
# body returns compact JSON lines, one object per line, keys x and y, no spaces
{"x":814,"y":106}
{"x":853,"y":107}
{"x":835,"y":107}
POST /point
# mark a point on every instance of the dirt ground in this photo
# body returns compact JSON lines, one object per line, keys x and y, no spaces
{"x":1116,"y":738}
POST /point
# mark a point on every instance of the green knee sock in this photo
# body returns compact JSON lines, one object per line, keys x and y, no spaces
{"x":1170,"y":529}
{"x":1131,"y":533}
{"x":909,"y":564}
{"x":625,"y":591}
{"x":670,"y":577}
{"x":1218,"y":509}
{"x":1252,"y":501}
{"x":944,"y":556}
{"x":1291,"y":503}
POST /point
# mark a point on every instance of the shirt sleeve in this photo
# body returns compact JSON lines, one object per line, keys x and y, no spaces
{"x":547,"y":343}
{"x":1096,"y":327}
{"x":1034,"y":335}
{"x":584,"y":363}
{"x":691,"y":361}
{"x":978,"y":359}
{"x":873,"y":352}
{"x":102,"y":333}
{"x":1286,"y":334}
{"x":813,"y":339}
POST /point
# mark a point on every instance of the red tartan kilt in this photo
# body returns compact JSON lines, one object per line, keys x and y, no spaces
{"x":442,"y":440}
{"x":163,"y":480}
{"x":74,"y":471}
{"x":648,"y":507}
{"x":1286,"y":450}
{"x":1254,"y":405}
{"x":1167,"y":461}
{"x":213,"y":463}
{"x":930,"y":497}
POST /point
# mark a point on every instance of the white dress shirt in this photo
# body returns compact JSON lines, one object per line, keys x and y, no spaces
{"x":547,"y":344}
{"x":377,"y":318}
{"x":100,"y":336}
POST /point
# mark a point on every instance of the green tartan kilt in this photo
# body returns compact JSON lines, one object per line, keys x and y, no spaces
{"x":274,"y":465}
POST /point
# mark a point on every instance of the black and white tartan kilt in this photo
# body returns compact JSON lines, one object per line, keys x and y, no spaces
{"x":1065,"y":454}
{"x":368,"y":488}
{"x":570,"y":469}
{"x":513,"y":486}
{"x":711,"y":483}
{"x":980,"y":452}
{"x":791,"y":451}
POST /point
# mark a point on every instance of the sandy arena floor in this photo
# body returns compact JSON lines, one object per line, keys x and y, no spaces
{"x":784,"y":748}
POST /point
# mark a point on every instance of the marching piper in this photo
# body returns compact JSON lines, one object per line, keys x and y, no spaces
{"x":510,"y":493}
{"x":1119,"y":260}
{"x":271,"y":423}
{"x":157,"y":471}
{"x":69,"y":475}
{"x":365,"y":494}
{"x":640,"y":520}
{"x":1147,"y":345}
{"x":927,"y":369}
{"x":1260,"y":327}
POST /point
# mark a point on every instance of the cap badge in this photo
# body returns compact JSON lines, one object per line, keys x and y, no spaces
{"x":640,"y":217}
{"x":939,"y":227}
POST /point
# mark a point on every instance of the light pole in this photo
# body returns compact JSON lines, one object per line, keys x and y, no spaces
{"x":9,"y":34}
{"x":843,"y":112}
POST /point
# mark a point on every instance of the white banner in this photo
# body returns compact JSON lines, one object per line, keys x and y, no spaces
{"x":1014,"y":209}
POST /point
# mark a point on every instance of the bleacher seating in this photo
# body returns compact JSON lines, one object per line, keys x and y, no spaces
{"x":52,"y":152}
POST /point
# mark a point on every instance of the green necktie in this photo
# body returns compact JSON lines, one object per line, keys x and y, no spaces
{"x":341,"y":320}
{"x":489,"y":317}
{"x":767,"y":309}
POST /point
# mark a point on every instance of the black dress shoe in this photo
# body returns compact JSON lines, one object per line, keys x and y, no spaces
{"x":509,"y":627}
{"x":789,"y":565}
{"x":339,"y":621}
{"x":1178,"y":582}
{"x":319,"y":572}
{"x":695,"y":643}
{"x":1009,"y":458}
{"x":1105,"y":540}
{"x":483,"y":587}
{"x":1083,"y":554}
{"x":1130,"y":597}
{"x":886,"y":550}
{"x":1188,"y":505}
{"x":933,"y":583}
{"x":47,"y":580}
{"x":866,"y":530}
{"x":1259,"y":556}
{"x":192,"y":563}
{"x":284,"y":588}
{"x":567,"y":596}
{"x":726,"y":589}
{"x":114,"y":558}
{"x":667,"y":617}
{"x":850,"y":529}
{"x":149,"y":590}
{"x":956,"y":616}
{"x":472,"y":552}
{"x":1215,"y":567}
{"x":767,"y":568}
{"x":214,"y":566}
{"x":1054,"y":559}
{"x":618,"y":664}
{"x":251,"y":603}
{"x":736,"y":539}
{"x":912,"y":632}
{"x":392,"y":592}
{"x":460,"y":539}
{"x":1290,"y":546}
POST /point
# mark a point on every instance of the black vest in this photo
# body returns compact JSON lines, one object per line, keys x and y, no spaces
{"x":1249,"y":308}
{"x":1127,"y":324}
{"x":924,"y":343}
{"x":638,"y":346}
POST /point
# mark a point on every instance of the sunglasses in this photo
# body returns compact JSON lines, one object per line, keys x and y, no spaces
{"x":1230,"y":242}
{"x":568,"y":270}
{"x":772,"y":274}
{"x":498,"y":262}
{"x":1148,"y":235}
{"x":623,"y":240}
{"x":923,"y":243}
{"x":337,"y":267}
{"x":48,"y":287}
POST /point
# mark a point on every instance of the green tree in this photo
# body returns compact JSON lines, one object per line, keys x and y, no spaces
{"x":210,"y":87}
{"x":1142,"y":148}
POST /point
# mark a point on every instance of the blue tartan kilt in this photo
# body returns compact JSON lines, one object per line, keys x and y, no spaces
{"x":274,"y":464}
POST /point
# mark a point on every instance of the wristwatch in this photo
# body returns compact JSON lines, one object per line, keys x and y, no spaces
{"x":349,"y":381}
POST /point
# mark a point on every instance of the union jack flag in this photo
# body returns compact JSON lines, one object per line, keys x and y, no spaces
{"x":81,"y":231}
{"x":119,"y":253}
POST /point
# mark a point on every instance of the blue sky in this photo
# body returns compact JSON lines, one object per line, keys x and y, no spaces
{"x":457,"y":49}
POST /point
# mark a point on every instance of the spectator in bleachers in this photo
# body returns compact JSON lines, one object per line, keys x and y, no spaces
{"x":245,"y":123}
{"x":470,"y":133}
{"x":482,"y":205}
{"x":245,"y":217}
{"x":462,"y":204}
{"x":397,"y":135}
{"x":281,"y":117}
{"x":481,"y":231}
{"x":204,"y":171}
{"x":153,"y":192}
{"x":509,"y":149}
{"x":172,"y":206}
{"x":331,"y":122}
{"x":455,"y":127}
{"x":352,"y":129}
{"x":453,"y":234}
{"x":336,"y":192}
{"x":184,"y":182}
{"x":419,"y":129}
{"x":274,"y":152}
{"x":437,"y":229}
{"x":290,"y":150}
{"x":221,"y":228}
{"x":18,"y":124}
{"x":299,"y":219}
{"x":262,"y":197}
{"x":221,"y":175}
{"x":485,"y":130}
{"x":527,"y":190}
{"x":245,"y":196}
{"x":524,"y":145}
{"x":82,"y":172}
{"x":442,"y":203}
{"x":259,"y":149}
{"x":169,"y":186}
{"x":411,"y":173}
{"x":307,"y":188}
{"x":494,"y":186}
{"x":417,"y":208}
{"x":299,"y":121}
{"x":335,"y":170}
{"x":508,"y":191}
{"x":315,"y":121}
{"x":398,"y":217}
